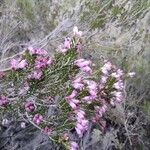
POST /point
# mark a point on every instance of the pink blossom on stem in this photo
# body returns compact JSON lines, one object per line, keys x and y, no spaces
{"x":106,"y":68}
{"x":118,"y":74}
{"x":29,"y":107}
{"x":89,"y":99}
{"x":14,"y":63}
{"x":73,"y":102}
{"x":82,"y":123}
{"x":103,"y":79}
{"x":118,"y":96}
{"x":66,"y":136}
{"x":78,"y":80}
{"x":47,"y":130}
{"x":100,"y":110}
{"x":37,"y":119}
{"x":22,"y":64}
{"x":67,"y":43}
{"x":76,"y":32}
{"x":119,"y":85}
{"x":82,"y":63}
{"x":42,"y":62}
{"x":18,"y":64}
{"x":78,"y":86}
{"x":32,"y":50}
{"x":2,"y":74}
{"x":62,"y":49}
{"x":77,"y":83}
{"x":37,"y":51}
{"x":73,"y":145}
{"x":86,"y":69}
{"x":72,"y":95}
{"x":36,"y":74}
{"x":80,"y":113}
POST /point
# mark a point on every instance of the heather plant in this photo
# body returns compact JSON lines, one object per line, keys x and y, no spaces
{"x":62,"y":92}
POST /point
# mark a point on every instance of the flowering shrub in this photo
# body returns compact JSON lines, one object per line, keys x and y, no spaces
{"x":72,"y":86}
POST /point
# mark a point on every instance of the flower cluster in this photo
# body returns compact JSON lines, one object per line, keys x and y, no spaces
{"x":37,"y":119}
{"x":72,"y":101}
{"x":77,"y":83}
{"x":92,"y":90}
{"x":84,"y":65}
{"x":35,"y":75}
{"x":81,"y":123}
{"x":42,"y":62}
{"x":29,"y":107}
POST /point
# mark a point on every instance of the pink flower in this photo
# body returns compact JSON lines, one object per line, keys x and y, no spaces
{"x":73,"y":102}
{"x":80,"y":114}
{"x":73,"y":145}
{"x":36,"y":74}
{"x":106,"y":68}
{"x":78,"y":80}
{"x":76,"y":32}
{"x":104,"y":79}
{"x":41,"y":52}
{"x":24,"y":90}
{"x":78,"y":86}
{"x":118,"y":85}
{"x":67,"y":43}
{"x":82,"y":63}
{"x":73,"y":94}
{"x":100,"y":110}
{"x":2,"y":74}
{"x":32,"y":50}
{"x":47,"y":130}
{"x":112,"y":102}
{"x":42,"y":62}
{"x":92,"y":88}
{"x":14,"y":63}
{"x":22,"y":64}
{"x":118,"y":74}
{"x":87,"y":69}
{"x":82,"y":122}
{"x":104,"y":108}
{"x":77,"y":83}
{"x":89,"y":99}
{"x":92,"y":85}
{"x":37,"y":51}
{"x":118,"y":96}
{"x":66,"y":136}
{"x":3,"y":101}
{"x":61,"y":49}
{"x":29,"y":107}
{"x":72,"y":105}
{"x":38,"y":118}
{"x":18,"y":64}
